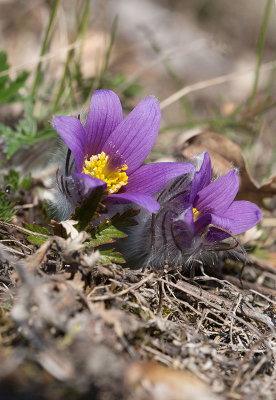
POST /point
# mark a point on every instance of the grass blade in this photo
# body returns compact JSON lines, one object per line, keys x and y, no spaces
{"x":260,"y":49}
{"x":44,"y":46}
{"x":81,"y":31}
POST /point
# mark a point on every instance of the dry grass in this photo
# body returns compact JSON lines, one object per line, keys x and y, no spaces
{"x":86,"y":328}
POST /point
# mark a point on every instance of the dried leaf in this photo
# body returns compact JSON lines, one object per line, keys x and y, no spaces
{"x":91,"y":259}
{"x":123,"y":324}
{"x":65,"y":229}
{"x":252,"y":235}
{"x":225,"y":156}
{"x":56,"y":364}
{"x":71,"y":245}
{"x":167,"y":384}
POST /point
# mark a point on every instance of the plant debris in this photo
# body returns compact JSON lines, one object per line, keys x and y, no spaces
{"x":225,"y":155}
{"x":99,"y":330}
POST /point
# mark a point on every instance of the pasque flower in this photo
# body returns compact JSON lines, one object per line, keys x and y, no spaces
{"x":108,"y":151}
{"x":212,"y":203}
{"x":195,"y":214}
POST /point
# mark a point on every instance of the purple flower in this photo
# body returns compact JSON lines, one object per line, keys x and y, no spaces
{"x":109,"y":150}
{"x":212,"y":203}
{"x":182,"y":231}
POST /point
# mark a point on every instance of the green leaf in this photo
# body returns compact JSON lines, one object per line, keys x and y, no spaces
{"x":9,"y":93}
{"x":26,"y":182}
{"x":36,"y":228}
{"x":24,"y":133}
{"x":106,"y":234}
{"x":17,"y":185}
{"x":3,"y":67}
{"x":111,"y":256}
{"x":15,"y":139}
{"x":109,"y":230}
{"x":12,"y":179}
{"x":125,"y":219}
{"x":28,"y":125}
{"x":9,"y":88}
{"x":6,"y":208}
{"x":37,"y":240}
{"x":14,"y":145}
{"x":89,"y":209}
{"x":3,"y":61}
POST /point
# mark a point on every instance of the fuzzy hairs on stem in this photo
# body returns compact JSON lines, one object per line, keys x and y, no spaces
{"x":165,"y":239}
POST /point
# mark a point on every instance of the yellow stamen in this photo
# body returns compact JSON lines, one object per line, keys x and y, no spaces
{"x":97,"y":166}
{"x":196,"y":214}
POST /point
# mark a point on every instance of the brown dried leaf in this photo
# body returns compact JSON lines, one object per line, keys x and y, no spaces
{"x":56,"y":364}
{"x":226,"y":155}
{"x":72,"y":245}
{"x":34,"y":261}
{"x":163,"y":383}
{"x":65,"y":228}
{"x":123,"y":324}
{"x":90,"y":260}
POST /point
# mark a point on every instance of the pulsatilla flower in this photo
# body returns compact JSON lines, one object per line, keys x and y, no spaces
{"x":211,"y":204}
{"x":195,"y":215}
{"x":109,"y":150}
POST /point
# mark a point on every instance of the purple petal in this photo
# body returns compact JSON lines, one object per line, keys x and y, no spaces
{"x":183,"y":229}
{"x":207,"y":219}
{"x":244,"y":215}
{"x":203,"y":176}
{"x":83,"y":185}
{"x":72,"y":132}
{"x":213,"y":234}
{"x":240,"y":216}
{"x":136,"y":134}
{"x":104,"y":115}
{"x":145,"y":201}
{"x":149,"y":179}
{"x":188,"y":216}
{"x":217,"y":197}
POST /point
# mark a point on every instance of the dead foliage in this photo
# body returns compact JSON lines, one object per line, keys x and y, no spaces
{"x":226,"y":155}
{"x":73,"y":328}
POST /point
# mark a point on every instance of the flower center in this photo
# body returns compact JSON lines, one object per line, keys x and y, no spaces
{"x":98,"y":167}
{"x":196,"y":214}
